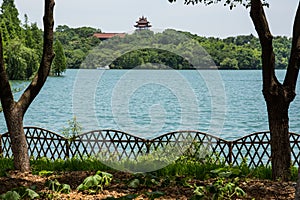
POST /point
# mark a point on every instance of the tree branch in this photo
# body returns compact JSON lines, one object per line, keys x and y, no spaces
{"x":6,"y":95}
{"x":40,"y":78}
{"x":266,"y":39}
{"x":290,"y":80}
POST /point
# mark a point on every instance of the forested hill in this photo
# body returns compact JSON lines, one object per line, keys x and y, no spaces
{"x":239,"y":52}
{"x":244,"y":51}
{"x":23,"y":43}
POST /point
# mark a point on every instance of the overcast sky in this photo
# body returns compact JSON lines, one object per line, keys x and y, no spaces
{"x":120,"y":16}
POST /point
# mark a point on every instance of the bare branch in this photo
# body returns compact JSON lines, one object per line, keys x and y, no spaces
{"x":290,"y":80}
{"x":40,"y":78}
{"x":266,"y":39}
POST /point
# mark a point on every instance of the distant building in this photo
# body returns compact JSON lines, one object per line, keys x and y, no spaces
{"x":142,"y":23}
{"x":105,"y":36}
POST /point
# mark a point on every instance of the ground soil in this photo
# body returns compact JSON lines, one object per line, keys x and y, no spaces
{"x":255,"y":189}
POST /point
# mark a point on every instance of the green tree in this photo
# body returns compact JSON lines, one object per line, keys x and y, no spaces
{"x":10,"y":19}
{"x":37,"y":37}
{"x":278,"y":96}
{"x":21,"y":62}
{"x":229,"y":63}
{"x":59,"y":63}
{"x":245,"y":49}
{"x":16,"y":65}
{"x":28,"y":34}
{"x":77,"y":43}
{"x":22,"y":46}
{"x":14,"y":111}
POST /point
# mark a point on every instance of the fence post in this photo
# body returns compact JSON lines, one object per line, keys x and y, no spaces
{"x":230,"y":152}
{"x":148,"y":145}
{"x":1,"y":151}
{"x":67,"y":148}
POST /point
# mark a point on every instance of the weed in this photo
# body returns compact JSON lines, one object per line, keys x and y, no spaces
{"x":95,"y":184}
{"x":45,"y":173}
{"x":73,"y":130}
{"x":57,"y":187}
{"x":219,"y":190}
{"x":6,"y":164}
{"x":20,"y":193}
{"x":71,"y":164}
{"x":10,"y":195}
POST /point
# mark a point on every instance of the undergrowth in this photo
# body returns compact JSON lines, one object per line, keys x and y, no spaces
{"x":181,"y":167}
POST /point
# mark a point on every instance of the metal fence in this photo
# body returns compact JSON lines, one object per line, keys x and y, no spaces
{"x":255,"y":147}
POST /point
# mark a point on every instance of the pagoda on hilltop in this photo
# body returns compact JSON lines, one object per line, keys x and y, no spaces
{"x":142,"y":23}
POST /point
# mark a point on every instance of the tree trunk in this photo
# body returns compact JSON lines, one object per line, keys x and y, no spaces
{"x":277,"y":96}
{"x":15,"y":111}
{"x":280,"y":142}
{"x":14,"y":121}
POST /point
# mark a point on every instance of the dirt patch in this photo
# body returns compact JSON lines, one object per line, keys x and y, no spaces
{"x":258,"y":189}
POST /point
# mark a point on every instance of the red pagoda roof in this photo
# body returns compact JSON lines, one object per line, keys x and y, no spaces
{"x":104,"y":36}
{"x":142,"y":23}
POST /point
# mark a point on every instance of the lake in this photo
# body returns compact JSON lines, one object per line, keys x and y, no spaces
{"x":147,"y":103}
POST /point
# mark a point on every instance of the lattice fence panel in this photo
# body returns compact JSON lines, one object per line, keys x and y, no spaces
{"x":255,"y":148}
{"x":41,"y":143}
{"x":5,"y":145}
{"x":192,"y":143}
{"x":295,"y":148}
{"x":110,"y":144}
{"x":44,"y":143}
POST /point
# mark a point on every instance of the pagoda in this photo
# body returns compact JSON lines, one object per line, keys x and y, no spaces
{"x":142,"y":23}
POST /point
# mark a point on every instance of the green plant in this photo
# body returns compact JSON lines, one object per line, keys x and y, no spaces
{"x":191,"y":167}
{"x":6,"y":164}
{"x":226,"y":172}
{"x":74,"y":129}
{"x":154,"y":195}
{"x":294,"y":173}
{"x":20,"y":193}
{"x":145,"y":180}
{"x":57,"y":187}
{"x":94,"y":184}
{"x":70,"y":164}
{"x":10,"y":195}
{"x":146,"y":162}
{"x":197,"y":152}
{"x":45,"y":173}
{"x":219,"y":190}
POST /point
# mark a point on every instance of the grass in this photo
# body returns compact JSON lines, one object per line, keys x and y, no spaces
{"x":224,"y":179}
{"x":5,"y":165}
{"x":182,"y":167}
{"x":72,"y":164}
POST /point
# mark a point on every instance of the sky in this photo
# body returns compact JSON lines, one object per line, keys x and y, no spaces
{"x":120,"y":16}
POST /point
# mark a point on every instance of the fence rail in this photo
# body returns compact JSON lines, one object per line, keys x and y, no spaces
{"x":44,"y":143}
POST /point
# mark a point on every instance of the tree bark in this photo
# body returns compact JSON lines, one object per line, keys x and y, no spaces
{"x":14,"y":122}
{"x":280,"y":143}
{"x":15,"y":111}
{"x":277,"y":96}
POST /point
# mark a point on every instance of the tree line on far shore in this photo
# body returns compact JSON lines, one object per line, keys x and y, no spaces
{"x":239,"y":52}
{"x":23,"y":45}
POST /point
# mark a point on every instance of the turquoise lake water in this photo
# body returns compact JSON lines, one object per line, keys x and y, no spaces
{"x":148,"y":103}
